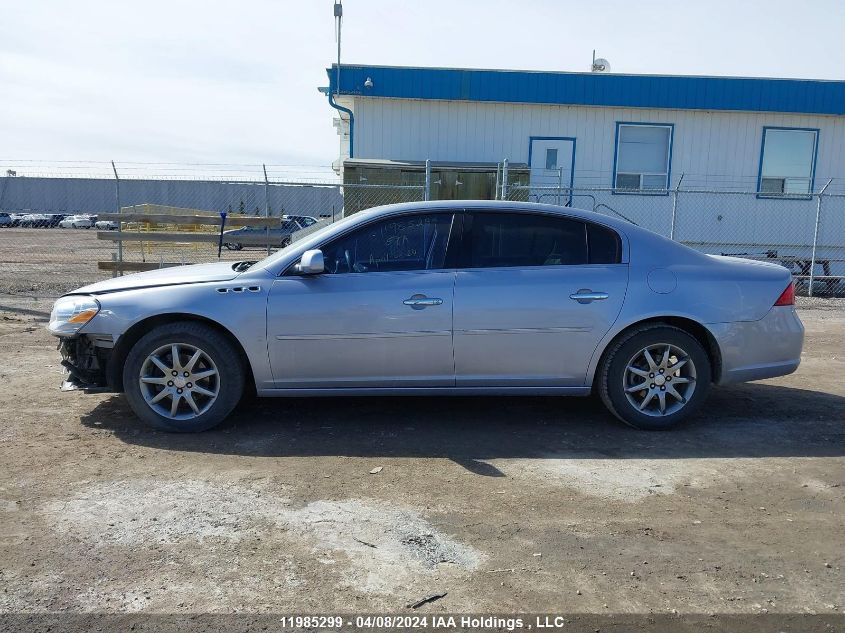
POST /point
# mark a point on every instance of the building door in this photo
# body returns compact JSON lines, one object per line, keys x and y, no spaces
{"x":552,"y":163}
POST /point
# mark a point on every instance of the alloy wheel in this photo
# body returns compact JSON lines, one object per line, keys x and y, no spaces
{"x":659,"y":379}
{"x":179,"y":381}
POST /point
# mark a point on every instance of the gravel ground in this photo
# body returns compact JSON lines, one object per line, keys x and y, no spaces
{"x":361,"y":505}
{"x":31,"y":258}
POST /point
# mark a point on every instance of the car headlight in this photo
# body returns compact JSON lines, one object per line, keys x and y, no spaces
{"x":71,"y":313}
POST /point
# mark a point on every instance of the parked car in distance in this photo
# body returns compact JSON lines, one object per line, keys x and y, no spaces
{"x":303,"y":220}
{"x":278,"y":236}
{"x":106,"y":225}
{"x":5,"y":220}
{"x":76,"y":222}
{"x":16,"y":218}
{"x":34,"y":220}
{"x":438,"y":298}
{"x":55,"y":218}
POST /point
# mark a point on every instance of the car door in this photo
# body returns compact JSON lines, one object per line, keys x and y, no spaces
{"x":536,"y":296}
{"x":380,"y":316}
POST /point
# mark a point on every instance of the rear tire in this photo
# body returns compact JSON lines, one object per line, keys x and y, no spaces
{"x":193,"y":393}
{"x":672,"y":369}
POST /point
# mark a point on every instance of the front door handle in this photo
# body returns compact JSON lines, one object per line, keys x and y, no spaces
{"x":418,"y":302}
{"x":588,"y":296}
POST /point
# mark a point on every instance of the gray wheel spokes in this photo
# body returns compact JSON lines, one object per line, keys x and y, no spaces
{"x":659,"y":387}
{"x":677,"y":366}
{"x":639,"y":387}
{"x":661,"y":398}
{"x":160,"y":364}
{"x":639,"y":372}
{"x":649,"y":359}
{"x":161,"y":395}
{"x":193,"y":361}
{"x":174,"y":407}
{"x":190,"y":400}
{"x":174,"y":353}
{"x":175,"y":389}
{"x":151,"y":380}
{"x":670,"y":389}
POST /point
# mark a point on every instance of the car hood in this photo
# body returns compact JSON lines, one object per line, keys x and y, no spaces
{"x":175,"y":275}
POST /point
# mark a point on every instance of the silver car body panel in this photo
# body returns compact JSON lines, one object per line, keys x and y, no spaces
{"x":520,"y":326}
{"x":515,"y":330}
{"x":354,"y":330}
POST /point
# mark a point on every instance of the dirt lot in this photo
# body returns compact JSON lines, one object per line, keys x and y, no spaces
{"x":31,"y":258}
{"x":534,"y":504}
{"x":504,"y":505}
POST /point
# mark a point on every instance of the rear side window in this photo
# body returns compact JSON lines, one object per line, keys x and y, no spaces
{"x":605,"y":247}
{"x":521,"y":239}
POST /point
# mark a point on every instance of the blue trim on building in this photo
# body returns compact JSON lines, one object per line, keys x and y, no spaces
{"x":642,"y":192}
{"x":782,"y":196}
{"x":531,"y":140}
{"x":595,"y":89}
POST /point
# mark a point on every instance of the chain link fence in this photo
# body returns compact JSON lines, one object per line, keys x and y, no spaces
{"x":804,"y":233}
{"x":58,"y":229}
{"x":70,"y":225}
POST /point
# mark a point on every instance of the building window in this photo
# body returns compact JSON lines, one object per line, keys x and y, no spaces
{"x":787,"y":161}
{"x":551,"y":158}
{"x":643,"y":152}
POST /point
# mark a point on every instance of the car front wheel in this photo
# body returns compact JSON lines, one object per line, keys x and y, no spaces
{"x":183,"y":377}
{"x":654,"y":377}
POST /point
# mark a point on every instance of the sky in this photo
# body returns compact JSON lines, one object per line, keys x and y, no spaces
{"x":236,"y":82}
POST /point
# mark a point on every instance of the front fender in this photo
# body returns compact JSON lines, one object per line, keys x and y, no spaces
{"x":240,"y":311}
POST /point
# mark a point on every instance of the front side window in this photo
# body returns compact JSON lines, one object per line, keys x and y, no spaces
{"x":415,"y":242}
{"x":521,"y":239}
{"x":642,"y":157}
{"x":787,"y":161}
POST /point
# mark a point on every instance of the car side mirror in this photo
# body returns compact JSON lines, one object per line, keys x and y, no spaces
{"x":312,"y":263}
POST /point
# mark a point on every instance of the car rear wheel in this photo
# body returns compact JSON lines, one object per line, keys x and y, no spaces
{"x":233,"y":246}
{"x":654,"y":377}
{"x":183,"y":377}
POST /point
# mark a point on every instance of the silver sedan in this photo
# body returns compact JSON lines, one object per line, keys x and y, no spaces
{"x":439,"y":298}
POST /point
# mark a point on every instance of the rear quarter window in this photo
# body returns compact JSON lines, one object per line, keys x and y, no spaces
{"x":604,"y":245}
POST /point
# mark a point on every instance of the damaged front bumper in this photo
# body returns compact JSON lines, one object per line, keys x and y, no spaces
{"x":85,"y":358}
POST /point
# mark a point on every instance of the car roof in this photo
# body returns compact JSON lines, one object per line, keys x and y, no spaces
{"x":619,"y":223}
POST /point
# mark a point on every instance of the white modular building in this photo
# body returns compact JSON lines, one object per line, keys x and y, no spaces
{"x":617,"y":143}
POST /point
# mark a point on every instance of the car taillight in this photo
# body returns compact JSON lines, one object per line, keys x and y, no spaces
{"x":787,"y":297}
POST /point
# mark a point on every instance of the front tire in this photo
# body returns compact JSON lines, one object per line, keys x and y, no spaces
{"x":183,"y":377}
{"x":654,"y":377}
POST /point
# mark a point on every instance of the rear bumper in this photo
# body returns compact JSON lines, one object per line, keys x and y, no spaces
{"x":754,"y":350}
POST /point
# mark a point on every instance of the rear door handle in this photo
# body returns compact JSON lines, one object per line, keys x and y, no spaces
{"x":588,"y":296}
{"x":418,"y":302}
